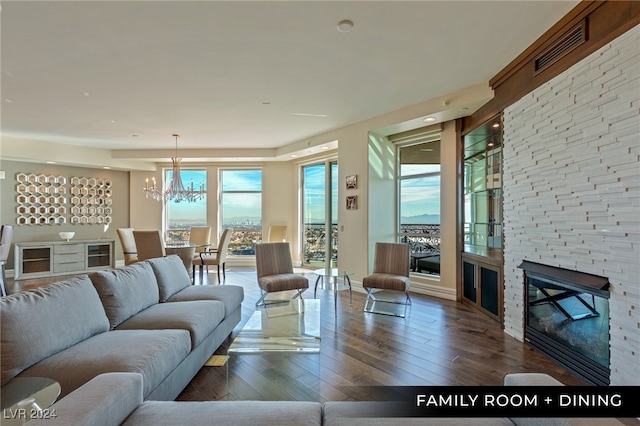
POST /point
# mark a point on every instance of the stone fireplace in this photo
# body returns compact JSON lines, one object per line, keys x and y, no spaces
{"x":567,"y":319}
{"x":572,"y":195}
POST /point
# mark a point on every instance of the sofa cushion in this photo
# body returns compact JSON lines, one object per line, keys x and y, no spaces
{"x":152,"y":353}
{"x":41,"y":322}
{"x":237,"y":413}
{"x":231,"y":295}
{"x":199,"y":318}
{"x":126,"y":291}
{"x":171,"y":275}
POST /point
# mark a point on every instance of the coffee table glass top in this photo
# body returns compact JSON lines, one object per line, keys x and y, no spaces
{"x":29,"y":393}
{"x":291,"y":326}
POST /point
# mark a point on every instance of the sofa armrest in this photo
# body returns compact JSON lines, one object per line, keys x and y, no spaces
{"x":530,"y":379}
{"x":105,"y":400}
{"x":541,"y":379}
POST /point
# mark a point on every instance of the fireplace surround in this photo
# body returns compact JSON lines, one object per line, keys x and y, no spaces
{"x":571,"y":193}
{"x":567,"y":319}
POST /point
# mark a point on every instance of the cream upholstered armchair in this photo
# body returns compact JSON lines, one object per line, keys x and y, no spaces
{"x":217,"y":256}
{"x":128,"y":245}
{"x":149,"y":244}
{"x":390,"y":272}
{"x":275,"y":271}
{"x":6,"y":235}
{"x":200,"y":237}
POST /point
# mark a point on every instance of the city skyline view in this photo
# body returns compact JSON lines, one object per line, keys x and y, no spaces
{"x":420,"y":199}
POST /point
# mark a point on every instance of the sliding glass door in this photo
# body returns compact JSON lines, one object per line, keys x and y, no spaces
{"x":320,"y":214}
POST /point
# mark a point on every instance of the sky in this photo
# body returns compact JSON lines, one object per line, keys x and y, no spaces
{"x":419,"y":196}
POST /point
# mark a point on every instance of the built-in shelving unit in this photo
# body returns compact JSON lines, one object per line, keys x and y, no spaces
{"x":51,"y":258}
{"x":481,"y":258}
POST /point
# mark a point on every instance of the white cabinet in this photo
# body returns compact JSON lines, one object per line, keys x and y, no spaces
{"x":50,"y":258}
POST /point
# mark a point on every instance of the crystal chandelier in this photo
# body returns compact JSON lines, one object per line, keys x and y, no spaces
{"x":175,"y":189}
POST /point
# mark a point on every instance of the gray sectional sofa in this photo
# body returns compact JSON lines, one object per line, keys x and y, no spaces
{"x":116,"y":399}
{"x":145,"y":318}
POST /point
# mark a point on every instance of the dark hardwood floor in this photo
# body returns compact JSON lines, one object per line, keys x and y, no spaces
{"x":439,"y":343}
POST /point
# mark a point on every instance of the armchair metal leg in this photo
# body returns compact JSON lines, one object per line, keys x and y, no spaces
{"x":373,"y":300}
{"x":262,"y":302}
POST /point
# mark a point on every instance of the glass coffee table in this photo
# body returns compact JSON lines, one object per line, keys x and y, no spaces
{"x":332,"y":275}
{"x":23,"y":398}
{"x":265,"y":357}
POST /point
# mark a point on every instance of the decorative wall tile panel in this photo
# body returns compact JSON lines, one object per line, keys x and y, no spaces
{"x":91,"y":201}
{"x":41,"y":199}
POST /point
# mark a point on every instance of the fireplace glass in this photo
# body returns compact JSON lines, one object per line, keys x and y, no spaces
{"x":571,"y":319}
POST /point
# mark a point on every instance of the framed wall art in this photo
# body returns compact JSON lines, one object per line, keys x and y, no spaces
{"x":352,"y":202}
{"x":352,"y":182}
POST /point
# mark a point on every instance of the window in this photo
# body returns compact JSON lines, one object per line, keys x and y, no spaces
{"x":180,"y":217}
{"x":319,"y":199}
{"x":419,"y":203}
{"x":241,"y":209}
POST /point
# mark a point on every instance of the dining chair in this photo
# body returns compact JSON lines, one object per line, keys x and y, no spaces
{"x":390,"y":272}
{"x":149,"y":243}
{"x":6,"y":235}
{"x":275,"y":271}
{"x":200,"y":238}
{"x":217,"y":256}
{"x":128,"y":244}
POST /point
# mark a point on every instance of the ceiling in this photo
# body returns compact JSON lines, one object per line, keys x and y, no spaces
{"x":126,"y":75}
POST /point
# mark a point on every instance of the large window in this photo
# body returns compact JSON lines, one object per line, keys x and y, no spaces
{"x":419,"y":204}
{"x":241,"y":209}
{"x":180,"y":217}
{"x":320,"y":214}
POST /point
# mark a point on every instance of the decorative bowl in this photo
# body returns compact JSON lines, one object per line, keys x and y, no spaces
{"x":66,"y":236}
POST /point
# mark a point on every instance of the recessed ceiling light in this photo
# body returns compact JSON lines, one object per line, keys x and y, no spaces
{"x":345,"y":26}
{"x":106,"y":167}
{"x":303,"y":114}
{"x":429,"y":119}
{"x":50,"y":162}
{"x":496,"y":125}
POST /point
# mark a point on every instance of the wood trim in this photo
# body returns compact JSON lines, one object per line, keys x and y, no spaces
{"x":606,"y":21}
{"x":575,"y":16}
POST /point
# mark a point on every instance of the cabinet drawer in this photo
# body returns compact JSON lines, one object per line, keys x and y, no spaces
{"x":68,"y":267}
{"x":68,"y":248}
{"x":68,"y":257}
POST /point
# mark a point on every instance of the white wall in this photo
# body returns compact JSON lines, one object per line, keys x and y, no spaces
{"x":572,"y":188}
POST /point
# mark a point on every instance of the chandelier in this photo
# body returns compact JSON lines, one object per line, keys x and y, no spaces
{"x":175,"y":189}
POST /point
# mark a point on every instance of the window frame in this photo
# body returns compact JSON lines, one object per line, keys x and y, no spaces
{"x":166,"y":208}
{"x":222,"y":192}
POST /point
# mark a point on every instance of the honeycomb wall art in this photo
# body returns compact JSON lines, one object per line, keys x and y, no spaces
{"x":90,"y":200}
{"x":41,"y":199}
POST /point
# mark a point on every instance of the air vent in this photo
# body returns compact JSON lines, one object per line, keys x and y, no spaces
{"x":562,"y":46}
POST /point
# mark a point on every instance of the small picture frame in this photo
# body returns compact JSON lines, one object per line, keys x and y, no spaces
{"x":352,"y":202}
{"x":352,"y":182}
